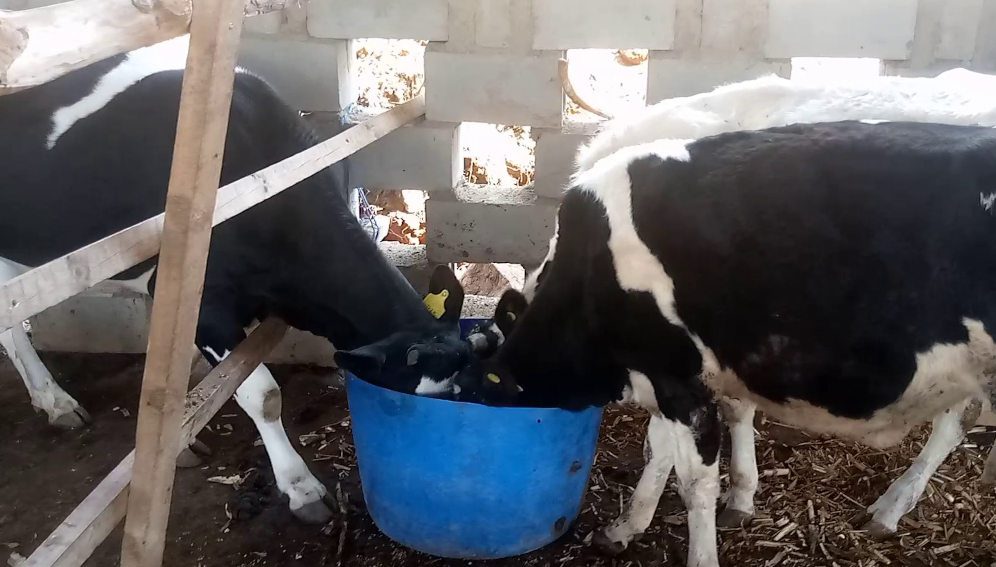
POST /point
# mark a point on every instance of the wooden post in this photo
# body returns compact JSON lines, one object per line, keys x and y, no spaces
{"x":72,"y":543}
{"x":197,"y":157}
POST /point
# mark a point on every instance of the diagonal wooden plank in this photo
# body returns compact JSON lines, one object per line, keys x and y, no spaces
{"x":74,"y":540}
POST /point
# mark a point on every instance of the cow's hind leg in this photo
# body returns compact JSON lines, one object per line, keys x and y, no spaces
{"x":259,"y":396}
{"x":46,"y":394}
{"x":739,"y":508}
{"x":949,"y":430}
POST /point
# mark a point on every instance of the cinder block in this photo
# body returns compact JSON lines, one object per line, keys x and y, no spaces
{"x":265,"y":24}
{"x":569,"y":24}
{"x":481,"y":224}
{"x":555,"y":153}
{"x":494,"y":23}
{"x":94,"y":323}
{"x":831,"y":28}
{"x":734,"y":27}
{"x":668,"y":77}
{"x":419,"y":156}
{"x":959,"y":29}
{"x":391,"y":19}
{"x":498,"y":89}
{"x":310,"y":74}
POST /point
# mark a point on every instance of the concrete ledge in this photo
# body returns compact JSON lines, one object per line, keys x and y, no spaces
{"x":668,"y":77}
{"x":569,"y":24}
{"x":481,"y":224}
{"x":390,"y":19}
{"x":498,"y":89}
{"x":831,"y":28}
{"x":425,"y":156}
{"x":555,"y":152}
{"x":310,"y":74}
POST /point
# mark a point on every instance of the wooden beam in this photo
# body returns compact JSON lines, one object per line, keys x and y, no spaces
{"x":205,"y":101}
{"x":58,"y":280}
{"x":42,"y":44}
{"x":72,"y":543}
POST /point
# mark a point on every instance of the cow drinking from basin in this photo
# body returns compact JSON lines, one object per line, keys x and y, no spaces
{"x":89,"y":154}
{"x":839,"y":275}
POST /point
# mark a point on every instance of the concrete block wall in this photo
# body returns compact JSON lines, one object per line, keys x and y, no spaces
{"x":496,"y":61}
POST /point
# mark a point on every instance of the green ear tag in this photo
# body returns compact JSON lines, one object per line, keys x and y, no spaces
{"x":436,"y":303}
{"x":494,"y":378}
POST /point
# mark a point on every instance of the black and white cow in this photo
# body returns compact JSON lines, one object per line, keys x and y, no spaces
{"x":89,"y":154}
{"x":958,"y":96}
{"x":839,"y":275}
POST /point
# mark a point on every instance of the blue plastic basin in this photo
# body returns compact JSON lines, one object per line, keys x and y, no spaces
{"x":468,"y":481}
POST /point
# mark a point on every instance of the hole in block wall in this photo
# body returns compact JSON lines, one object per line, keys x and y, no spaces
{"x":613,"y":81}
{"x":496,"y":154}
{"x":835,"y":68}
{"x":387,"y":72}
{"x":489,"y":280}
{"x":404,"y":212}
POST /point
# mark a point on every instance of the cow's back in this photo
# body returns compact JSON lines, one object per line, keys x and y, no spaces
{"x":110,"y":169}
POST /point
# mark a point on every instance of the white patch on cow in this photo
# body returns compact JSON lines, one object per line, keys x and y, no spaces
{"x":45,"y":393}
{"x":946,"y":375}
{"x":289,"y":470}
{"x":954,"y":97}
{"x":429,"y":386}
{"x":640,"y":392}
{"x":169,"y":55}
{"x":873,"y":121}
{"x":529,"y":287}
{"x":636,"y":267}
{"x":987,"y":201}
{"x":214,"y":354}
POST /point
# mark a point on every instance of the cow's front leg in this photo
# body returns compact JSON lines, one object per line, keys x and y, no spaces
{"x":259,"y":397}
{"x":659,"y":450}
{"x":696,"y":464}
{"x":739,"y":508}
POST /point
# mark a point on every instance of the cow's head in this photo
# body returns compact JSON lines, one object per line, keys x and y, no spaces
{"x":561,"y":352}
{"x":424,"y":358}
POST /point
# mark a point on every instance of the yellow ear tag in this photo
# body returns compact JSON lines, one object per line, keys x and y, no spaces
{"x":511,"y":316}
{"x":436,"y":303}
{"x":494,"y":378}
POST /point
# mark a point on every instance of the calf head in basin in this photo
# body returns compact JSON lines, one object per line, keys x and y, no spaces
{"x":422,"y":359}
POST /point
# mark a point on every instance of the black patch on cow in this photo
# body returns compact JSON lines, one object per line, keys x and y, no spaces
{"x":817,"y":260}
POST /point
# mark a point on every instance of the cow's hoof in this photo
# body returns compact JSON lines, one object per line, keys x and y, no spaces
{"x":878,"y":530}
{"x":730,"y":518}
{"x":74,"y":419}
{"x":188,"y":459}
{"x":606,"y":545}
{"x":313,"y":513}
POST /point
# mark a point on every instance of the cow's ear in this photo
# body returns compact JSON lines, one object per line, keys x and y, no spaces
{"x":365,"y":362}
{"x":445,"y":297}
{"x":510,"y":308}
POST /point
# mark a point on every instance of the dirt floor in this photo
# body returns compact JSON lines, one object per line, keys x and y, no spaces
{"x":812,"y":491}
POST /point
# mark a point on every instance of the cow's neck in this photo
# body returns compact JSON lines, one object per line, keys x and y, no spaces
{"x":338,"y":284}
